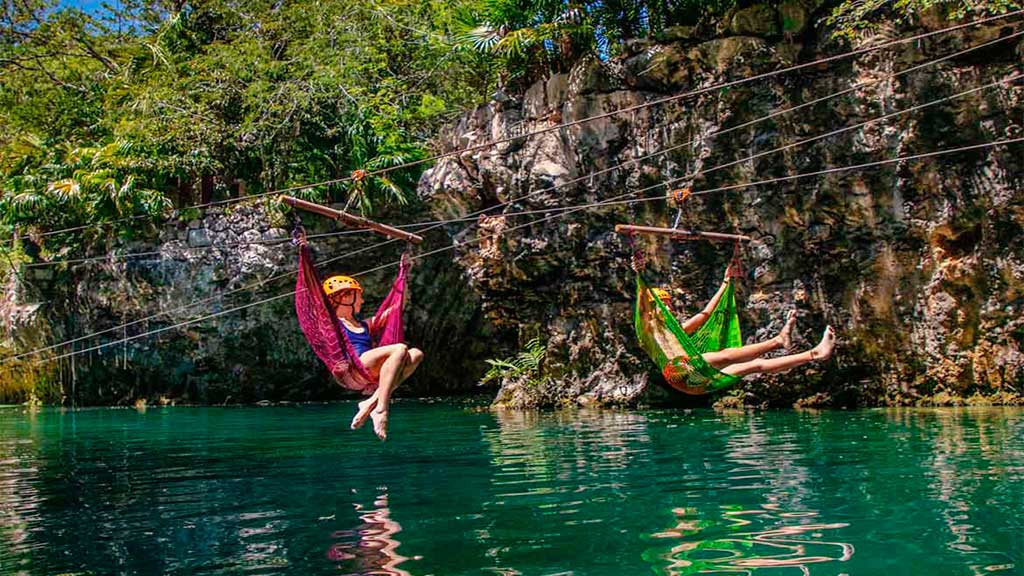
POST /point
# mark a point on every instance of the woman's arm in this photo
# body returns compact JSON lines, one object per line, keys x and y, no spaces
{"x":693,"y":323}
{"x":377,"y":323}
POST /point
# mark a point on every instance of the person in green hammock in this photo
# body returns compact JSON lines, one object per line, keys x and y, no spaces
{"x":742,"y":360}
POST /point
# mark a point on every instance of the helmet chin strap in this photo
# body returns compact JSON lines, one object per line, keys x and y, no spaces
{"x":348,"y":301}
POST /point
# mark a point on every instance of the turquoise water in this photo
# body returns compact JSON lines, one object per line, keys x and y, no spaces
{"x":460,"y":490}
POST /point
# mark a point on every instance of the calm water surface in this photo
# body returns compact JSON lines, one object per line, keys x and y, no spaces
{"x":458,"y":490}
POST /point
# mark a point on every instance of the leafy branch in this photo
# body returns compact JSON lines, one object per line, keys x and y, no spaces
{"x":526,"y":363}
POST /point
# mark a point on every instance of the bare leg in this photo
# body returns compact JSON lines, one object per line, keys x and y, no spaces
{"x":363,"y":411}
{"x":374,"y":361}
{"x":723,"y":358}
{"x":366,"y":406}
{"x":404,"y":365}
{"x":390,"y":372}
{"x":773,"y":365}
{"x":411,"y":364}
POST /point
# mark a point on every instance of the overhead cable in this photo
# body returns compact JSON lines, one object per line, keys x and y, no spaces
{"x":703,"y":171}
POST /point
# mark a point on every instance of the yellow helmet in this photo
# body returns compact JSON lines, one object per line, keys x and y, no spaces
{"x":339,"y":283}
{"x":663,"y":295}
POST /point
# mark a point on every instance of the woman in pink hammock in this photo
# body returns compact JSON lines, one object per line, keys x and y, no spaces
{"x":367,"y":357}
{"x":389,"y":365}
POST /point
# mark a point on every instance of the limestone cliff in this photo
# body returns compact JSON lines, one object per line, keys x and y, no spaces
{"x":919,"y":265}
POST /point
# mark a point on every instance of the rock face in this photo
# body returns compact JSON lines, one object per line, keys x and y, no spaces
{"x":918,"y":264}
{"x":236,"y":269}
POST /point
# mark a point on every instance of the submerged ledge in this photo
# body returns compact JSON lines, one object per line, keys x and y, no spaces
{"x":941,"y":399}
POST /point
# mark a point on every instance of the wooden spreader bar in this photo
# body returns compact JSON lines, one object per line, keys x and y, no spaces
{"x":680,"y":234}
{"x":350,"y":220}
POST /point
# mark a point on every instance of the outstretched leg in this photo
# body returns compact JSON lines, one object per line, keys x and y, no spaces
{"x":723,"y":358}
{"x":773,"y":365}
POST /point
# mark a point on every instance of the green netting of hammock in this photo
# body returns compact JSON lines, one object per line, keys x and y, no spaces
{"x":677,"y":354}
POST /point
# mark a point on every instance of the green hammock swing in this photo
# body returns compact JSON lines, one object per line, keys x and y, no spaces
{"x":677,"y":354}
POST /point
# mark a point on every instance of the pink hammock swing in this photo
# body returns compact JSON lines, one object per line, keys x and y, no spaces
{"x":329,"y":342}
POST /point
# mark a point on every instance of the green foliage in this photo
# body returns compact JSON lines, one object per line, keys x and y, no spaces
{"x":529,"y":39}
{"x":525,"y":363}
{"x":65,"y":186}
{"x":108,"y":113}
{"x":853,"y":18}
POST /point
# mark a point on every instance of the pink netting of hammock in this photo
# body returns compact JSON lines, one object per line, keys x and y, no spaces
{"x":320,"y":325}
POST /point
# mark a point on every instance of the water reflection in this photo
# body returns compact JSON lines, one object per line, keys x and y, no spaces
{"x":19,"y":498}
{"x":560,"y":483}
{"x":601,"y":493}
{"x":370,"y":547}
{"x":970,"y":448}
{"x":744,"y":541}
{"x":781,"y":531}
{"x":577,"y":451}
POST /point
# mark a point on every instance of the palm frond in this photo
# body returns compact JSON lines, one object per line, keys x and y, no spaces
{"x":386,"y":161}
{"x":26,"y":202}
{"x":517,"y":42}
{"x":482,"y":38}
{"x":65,"y":190}
{"x":392,"y":190}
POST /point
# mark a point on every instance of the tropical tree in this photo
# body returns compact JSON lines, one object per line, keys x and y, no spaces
{"x":66,"y":186}
{"x":529,"y":38}
{"x":273,"y":94}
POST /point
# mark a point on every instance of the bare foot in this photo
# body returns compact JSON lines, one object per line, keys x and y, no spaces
{"x":824,"y":348}
{"x":785,"y":337}
{"x":363,"y":412}
{"x":380,"y":423}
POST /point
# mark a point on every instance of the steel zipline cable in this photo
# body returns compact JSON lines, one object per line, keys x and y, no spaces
{"x":741,"y":160}
{"x":565,"y":211}
{"x":440,"y":223}
{"x":128,"y":255}
{"x":774,"y":114}
{"x":626,"y":110}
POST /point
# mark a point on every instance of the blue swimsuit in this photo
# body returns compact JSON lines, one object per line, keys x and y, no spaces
{"x":360,"y":340}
